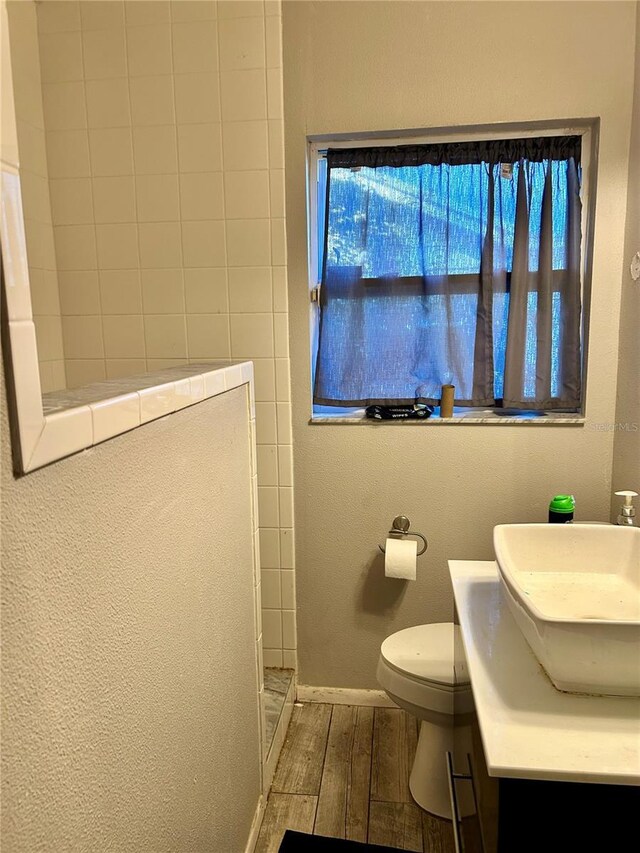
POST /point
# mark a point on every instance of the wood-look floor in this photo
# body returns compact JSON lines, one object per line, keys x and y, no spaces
{"x":344,"y":772}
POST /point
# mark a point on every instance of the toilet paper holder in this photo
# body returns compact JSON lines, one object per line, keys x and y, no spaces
{"x":400,"y":529}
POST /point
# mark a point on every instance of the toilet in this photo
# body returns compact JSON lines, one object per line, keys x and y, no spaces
{"x":416,"y":669}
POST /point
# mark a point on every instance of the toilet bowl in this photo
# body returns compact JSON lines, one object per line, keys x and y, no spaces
{"x":422,"y":669}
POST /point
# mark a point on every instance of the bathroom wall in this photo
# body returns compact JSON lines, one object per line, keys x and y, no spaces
{"x":43,"y":275}
{"x":129,"y":686}
{"x":371,"y":66}
{"x":626,"y":455}
{"x":166,"y":165}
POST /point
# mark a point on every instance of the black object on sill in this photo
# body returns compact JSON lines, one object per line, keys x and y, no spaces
{"x":394,"y":413}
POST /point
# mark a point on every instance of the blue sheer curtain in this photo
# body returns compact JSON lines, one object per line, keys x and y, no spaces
{"x":452,"y":264}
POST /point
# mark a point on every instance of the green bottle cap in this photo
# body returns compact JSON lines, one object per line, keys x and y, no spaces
{"x":563,"y":503}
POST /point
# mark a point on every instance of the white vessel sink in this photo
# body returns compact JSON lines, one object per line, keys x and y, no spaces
{"x":574,"y":591}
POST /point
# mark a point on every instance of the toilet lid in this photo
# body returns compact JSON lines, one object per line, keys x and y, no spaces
{"x":427,"y":652}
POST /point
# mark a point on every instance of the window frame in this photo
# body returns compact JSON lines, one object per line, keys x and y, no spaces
{"x":587,"y":128}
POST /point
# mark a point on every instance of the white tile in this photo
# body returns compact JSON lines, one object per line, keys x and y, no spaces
{"x":288,"y":589}
{"x":271,"y":628}
{"x":254,"y":453}
{"x":243,"y":95}
{"x":274,"y":93}
{"x":105,"y":53}
{"x":257,"y":615}
{"x":271,"y":588}
{"x":206,"y":290}
{"x":26,"y":377}
{"x":156,"y":402}
{"x":246,"y":194}
{"x":57,"y":17}
{"x":193,"y":10}
{"x":197,"y":98}
{"x":287,"y":549}
{"x":203,"y":243}
{"x":245,"y":145}
{"x":289,"y":659}
{"x":248,"y":242}
{"x":79,"y":372}
{"x":119,"y":368}
{"x":289,"y":639}
{"x":268,"y":506}
{"x":283,"y":413}
{"x":214,"y":383}
{"x":111,"y":151}
{"x":276,"y":193}
{"x":152,"y":100}
{"x":183,"y":393}
{"x":157,"y":198}
{"x":68,"y":154}
{"x":165,"y":336}
{"x":64,"y":433}
{"x":285,"y":465}
{"x":120,"y":291}
{"x":60,"y":57}
{"x":195,"y":47}
{"x":14,"y":254}
{"x":200,"y":147}
{"x":83,"y":337}
{"x":160,"y":245}
{"x":102,"y":14}
{"x":272,"y":657}
{"x":251,"y":335}
{"x":114,"y":199}
{"x":141,"y":12}
{"x":233,"y":376}
{"x":79,"y":293}
{"x":274,"y":41}
{"x":207,"y":336}
{"x":268,"y":465}
{"x":197,"y":388}
{"x":276,"y":144}
{"x":281,"y":335}
{"x":108,"y":103}
{"x":123,"y":336}
{"x":117,"y":246}
{"x":270,"y":550}
{"x":115,"y":416}
{"x":149,"y":50}
{"x":71,"y":201}
{"x":278,"y":242}
{"x":240,"y":8}
{"x":266,"y":428}
{"x":155,"y":150}
{"x":283,"y":380}
{"x":264,"y":379}
{"x":64,"y":105}
{"x":202,"y":196}
{"x":242,"y":43}
{"x":285,"y":496}
{"x":162,"y":291}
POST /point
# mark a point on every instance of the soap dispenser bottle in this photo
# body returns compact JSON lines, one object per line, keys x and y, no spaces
{"x":627,"y":512}
{"x":561,"y":509}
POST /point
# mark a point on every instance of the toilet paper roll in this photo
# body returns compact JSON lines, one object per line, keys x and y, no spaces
{"x":400,"y":558}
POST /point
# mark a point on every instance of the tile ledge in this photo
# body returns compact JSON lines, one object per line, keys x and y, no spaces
{"x":458,"y":420}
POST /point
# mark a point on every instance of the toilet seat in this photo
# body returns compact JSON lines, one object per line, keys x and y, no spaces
{"x":424,"y":666}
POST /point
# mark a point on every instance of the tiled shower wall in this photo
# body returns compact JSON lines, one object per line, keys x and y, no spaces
{"x":164,"y":132}
{"x":45,"y":299}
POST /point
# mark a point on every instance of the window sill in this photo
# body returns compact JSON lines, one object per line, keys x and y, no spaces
{"x":468,"y":417}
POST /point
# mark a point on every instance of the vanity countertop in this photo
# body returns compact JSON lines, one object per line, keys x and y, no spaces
{"x":529,"y":729}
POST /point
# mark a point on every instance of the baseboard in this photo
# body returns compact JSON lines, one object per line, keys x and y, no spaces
{"x":256,"y":823}
{"x":344,"y":696}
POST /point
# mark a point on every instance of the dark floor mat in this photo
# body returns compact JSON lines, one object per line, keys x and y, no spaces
{"x":300,"y":842}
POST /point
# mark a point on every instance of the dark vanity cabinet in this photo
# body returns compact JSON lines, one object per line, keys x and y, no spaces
{"x":508,"y":815}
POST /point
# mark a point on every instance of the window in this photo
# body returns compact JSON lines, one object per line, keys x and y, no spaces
{"x":449,"y":263}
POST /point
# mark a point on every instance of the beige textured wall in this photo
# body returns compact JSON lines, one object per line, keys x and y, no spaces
{"x":626,"y":454}
{"x":45,"y":297}
{"x":129,"y":686}
{"x":370,"y":66}
{"x":166,"y":165}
